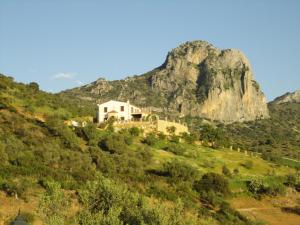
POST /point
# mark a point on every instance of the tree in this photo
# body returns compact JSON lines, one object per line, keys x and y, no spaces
{"x":34,"y":87}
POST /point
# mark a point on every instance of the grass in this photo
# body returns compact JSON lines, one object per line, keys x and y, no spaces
{"x":210,"y":160}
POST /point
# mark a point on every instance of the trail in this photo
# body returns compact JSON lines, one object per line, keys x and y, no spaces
{"x":254,"y":209}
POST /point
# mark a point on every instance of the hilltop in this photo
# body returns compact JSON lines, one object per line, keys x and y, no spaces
{"x":196,"y":79}
{"x":288,"y":97}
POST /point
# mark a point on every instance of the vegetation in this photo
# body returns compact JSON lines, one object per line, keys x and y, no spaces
{"x":87,"y":176}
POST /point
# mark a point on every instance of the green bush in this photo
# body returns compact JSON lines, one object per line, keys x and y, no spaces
{"x":161,"y":136}
{"x":212,"y":182}
{"x":189,"y":138}
{"x":177,"y":149}
{"x":180,"y":171}
{"x":114,"y":143}
{"x":107,"y":202}
{"x":134,"y":131}
{"x":174,"y":139}
{"x":293,"y":180}
{"x":150,"y":139}
{"x":53,"y":204}
{"x":226,"y":171}
{"x":248,"y":164}
{"x":260,"y":187}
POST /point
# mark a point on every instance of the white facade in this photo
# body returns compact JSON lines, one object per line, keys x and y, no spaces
{"x":123,"y":111}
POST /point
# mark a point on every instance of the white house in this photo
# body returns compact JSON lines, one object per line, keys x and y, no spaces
{"x":123,"y":111}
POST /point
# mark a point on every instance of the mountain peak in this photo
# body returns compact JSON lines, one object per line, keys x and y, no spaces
{"x":196,"y":79}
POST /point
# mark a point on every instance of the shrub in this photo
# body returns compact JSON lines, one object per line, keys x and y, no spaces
{"x":210,"y":199}
{"x":236,"y":171}
{"x":174,"y":139}
{"x":107,"y":202}
{"x":114,"y":143}
{"x":226,"y":171}
{"x":248,"y":164}
{"x":180,"y":171}
{"x":174,"y":148}
{"x":260,"y":187}
{"x":161,"y":136}
{"x":189,"y":138}
{"x":134,"y":131}
{"x":15,"y":188}
{"x":53,"y":204}
{"x":212,"y":182}
{"x":293,"y":180}
{"x":150,"y":139}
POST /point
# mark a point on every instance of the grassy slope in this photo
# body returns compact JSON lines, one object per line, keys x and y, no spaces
{"x":277,"y":136}
{"x":35,"y":153}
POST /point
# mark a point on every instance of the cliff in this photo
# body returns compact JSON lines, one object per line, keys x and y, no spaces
{"x":196,"y":79}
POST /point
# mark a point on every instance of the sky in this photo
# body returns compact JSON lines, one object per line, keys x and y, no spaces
{"x":62,"y":44}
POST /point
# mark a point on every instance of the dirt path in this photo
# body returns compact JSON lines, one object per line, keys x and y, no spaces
{"x":253,"y":209}
{"x":268,"y":210}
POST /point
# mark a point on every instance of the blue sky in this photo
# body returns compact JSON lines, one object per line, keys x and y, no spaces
{"x":64,"y":43}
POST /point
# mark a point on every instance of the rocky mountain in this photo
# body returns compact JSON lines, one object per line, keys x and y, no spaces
{"x":196,"y":79}
{"x":288,"y":97}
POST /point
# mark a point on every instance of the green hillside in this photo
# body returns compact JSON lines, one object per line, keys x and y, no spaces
{"x":276,"y":137}
{"x":87,"y":176}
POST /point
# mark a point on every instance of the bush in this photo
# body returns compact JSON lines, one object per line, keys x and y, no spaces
{"x":189,"y":138}
{"x":53,"y":204}
{"x":236,"y":171}
{"x":260,"y":187}
{"x":293,"y":180}
{"x":150,"y":139}
{"x":15,"y":188}
{"x":211,"y":199}
{"x":180,"y":171}
{"x":174,"y":139}
{"x":134,"y":131}
{"x":115,"y":143}
{"x":248,"y":164}
{"x":107,"y":202}
{"x":174,"y":148}
{"x":161,"y":136}
{"x":212,"y":182}
{"x":226,"y":171}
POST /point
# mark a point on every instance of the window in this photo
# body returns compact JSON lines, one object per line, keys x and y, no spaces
{"x":131,"y":109}
{"x":105,"y":109}
{"x":122,"y":108}
{"x":122,"y":118}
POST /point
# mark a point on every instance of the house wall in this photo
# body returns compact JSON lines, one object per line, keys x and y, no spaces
{"x":116,"y":106}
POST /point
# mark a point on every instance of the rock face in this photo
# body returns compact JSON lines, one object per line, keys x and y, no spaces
{"x":293,"y":97}
{"x":196,"y":79}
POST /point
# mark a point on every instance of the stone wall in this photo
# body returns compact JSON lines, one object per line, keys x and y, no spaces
{"x":158,"y":125}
